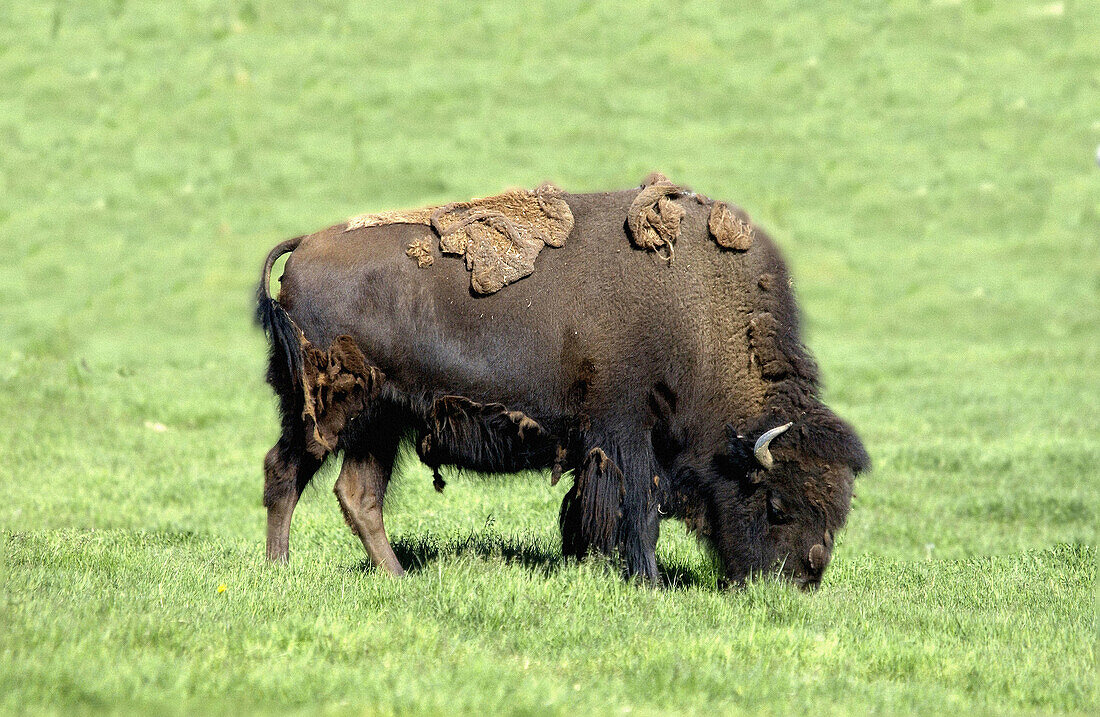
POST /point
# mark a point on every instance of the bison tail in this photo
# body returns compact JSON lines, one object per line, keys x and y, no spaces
{"x":285,"y":368}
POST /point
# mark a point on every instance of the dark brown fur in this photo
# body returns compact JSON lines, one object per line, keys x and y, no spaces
{"x":651,"y":380}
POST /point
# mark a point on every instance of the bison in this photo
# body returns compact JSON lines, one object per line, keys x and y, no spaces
{"x":647,"y":339}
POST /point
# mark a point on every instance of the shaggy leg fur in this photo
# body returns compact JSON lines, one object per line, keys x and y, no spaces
{"x":609,"y":508}
{"x":287,"y":471}
{"x":360,"y":488}
{"x":592,"y":509}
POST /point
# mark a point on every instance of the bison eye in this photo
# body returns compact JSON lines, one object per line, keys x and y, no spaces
{"x":776,"y":513}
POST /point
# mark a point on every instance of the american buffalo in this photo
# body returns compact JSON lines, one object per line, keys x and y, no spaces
{"x":647,"y":339}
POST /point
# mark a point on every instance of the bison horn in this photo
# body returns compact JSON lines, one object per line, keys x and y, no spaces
{"x":760,"y":450}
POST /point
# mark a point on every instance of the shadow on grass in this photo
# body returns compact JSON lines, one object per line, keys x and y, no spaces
{"x":540,"y":557}
{"x":419,"y":552}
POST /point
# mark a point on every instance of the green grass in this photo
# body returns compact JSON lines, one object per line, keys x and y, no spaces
{"x":927,"y":167}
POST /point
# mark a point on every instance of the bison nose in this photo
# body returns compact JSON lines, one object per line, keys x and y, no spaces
{"x":818,"y":559}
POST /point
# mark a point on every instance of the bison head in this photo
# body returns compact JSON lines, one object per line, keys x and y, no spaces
{"x":784,"y":493}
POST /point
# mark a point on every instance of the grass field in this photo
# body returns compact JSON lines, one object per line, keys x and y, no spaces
{"x":927,"y":167}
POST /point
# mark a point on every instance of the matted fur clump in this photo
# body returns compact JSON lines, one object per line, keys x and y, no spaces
{"x":728,"y":228}
{"x":421,"y":250}
{"x":654,"y":217}
{"x":499,"y":236}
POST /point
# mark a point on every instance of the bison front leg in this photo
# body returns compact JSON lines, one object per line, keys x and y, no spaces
{"x":360,"y":489}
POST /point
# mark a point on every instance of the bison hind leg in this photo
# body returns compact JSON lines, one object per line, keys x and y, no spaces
{"x":360,"y":490}
{"x":288,"y":468}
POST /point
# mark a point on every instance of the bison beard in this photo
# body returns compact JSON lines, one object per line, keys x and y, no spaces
{"x":650,"y":380}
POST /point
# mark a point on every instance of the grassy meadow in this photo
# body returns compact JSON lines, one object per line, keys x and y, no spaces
{"x":928,"y":167}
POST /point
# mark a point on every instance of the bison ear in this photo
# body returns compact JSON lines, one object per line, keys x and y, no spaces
{"x":739,"y":449}
{"x":737,"y":462}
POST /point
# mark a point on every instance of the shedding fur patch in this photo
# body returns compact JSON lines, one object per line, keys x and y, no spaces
{"x":499,"y":236}
{"x":763,"y":328}
{"x":728,"y":229}
{"x":337,"y":385}
{"x":654,"y":216}
{"x":421,"y":250}
{"x":394,"y":216}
